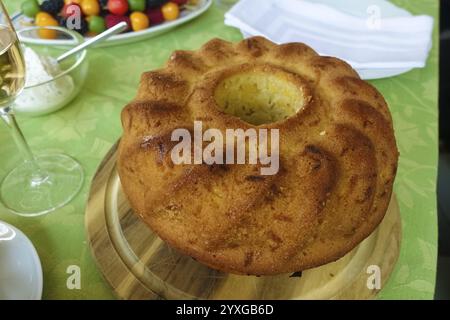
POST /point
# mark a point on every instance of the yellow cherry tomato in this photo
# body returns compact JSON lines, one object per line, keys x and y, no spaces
{"x":90,"y":7}
{"x":43,"y":18}
{"x":48,"y":33}
{"x":170,"y":11}
{"x":139,"y":21}
{"x":72,"y":1}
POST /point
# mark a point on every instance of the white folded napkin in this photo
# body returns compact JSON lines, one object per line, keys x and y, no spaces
{"x":382,"y":37}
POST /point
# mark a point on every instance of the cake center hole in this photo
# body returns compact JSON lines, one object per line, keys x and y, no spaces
{"x":259,"y":97}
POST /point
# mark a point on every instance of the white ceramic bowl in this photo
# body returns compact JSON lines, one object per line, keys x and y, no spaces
{"x":20,"y":267}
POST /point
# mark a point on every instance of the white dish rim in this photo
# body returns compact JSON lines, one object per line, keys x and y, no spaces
{"x":37,"y":294}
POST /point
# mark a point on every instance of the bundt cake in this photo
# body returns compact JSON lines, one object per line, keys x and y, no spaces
{"x":337,"y":157}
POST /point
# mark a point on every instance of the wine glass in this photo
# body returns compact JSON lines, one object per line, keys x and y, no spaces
{"x":41,"y":183}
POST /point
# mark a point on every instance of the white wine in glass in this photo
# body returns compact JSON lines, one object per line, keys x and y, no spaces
{"x":12,"y":72}
{"x":40,"y":184}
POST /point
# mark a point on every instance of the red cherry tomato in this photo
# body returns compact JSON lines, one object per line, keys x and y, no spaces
{"x":118,"y":7}
{"x":70,"y":10}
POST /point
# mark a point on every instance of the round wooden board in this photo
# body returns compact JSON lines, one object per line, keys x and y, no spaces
{"x":139,"y":265}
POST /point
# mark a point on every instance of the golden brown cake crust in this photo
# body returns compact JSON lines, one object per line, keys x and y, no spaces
{"x":338,"y":160}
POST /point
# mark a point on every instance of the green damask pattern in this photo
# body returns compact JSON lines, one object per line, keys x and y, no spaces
{"x":88,"y":127}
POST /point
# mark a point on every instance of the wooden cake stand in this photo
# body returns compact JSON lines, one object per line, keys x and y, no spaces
{"x":139,"y":265}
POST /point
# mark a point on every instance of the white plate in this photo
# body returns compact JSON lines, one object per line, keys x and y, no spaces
{"x":358,"y":8}
{"x":186,"y":15}
{"x":20,"y":267}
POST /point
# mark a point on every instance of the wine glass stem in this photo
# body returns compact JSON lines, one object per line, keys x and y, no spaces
{"x":39,"y":176}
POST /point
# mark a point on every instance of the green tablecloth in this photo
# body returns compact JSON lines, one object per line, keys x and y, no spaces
{"x":89,"y":126}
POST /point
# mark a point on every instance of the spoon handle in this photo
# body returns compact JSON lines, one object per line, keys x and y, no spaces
{"x":102,"y":36}
{"x":16,"y":16}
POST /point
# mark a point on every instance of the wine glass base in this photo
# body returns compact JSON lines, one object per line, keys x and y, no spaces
{"x":26,"y":197}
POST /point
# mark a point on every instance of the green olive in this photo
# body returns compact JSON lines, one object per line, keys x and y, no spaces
{"x":30,"y":8}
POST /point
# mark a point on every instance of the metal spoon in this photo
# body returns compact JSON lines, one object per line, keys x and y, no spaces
{"x":100,"y":37}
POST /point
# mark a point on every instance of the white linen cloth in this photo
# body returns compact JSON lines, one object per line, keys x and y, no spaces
{"x":367,"y":41}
